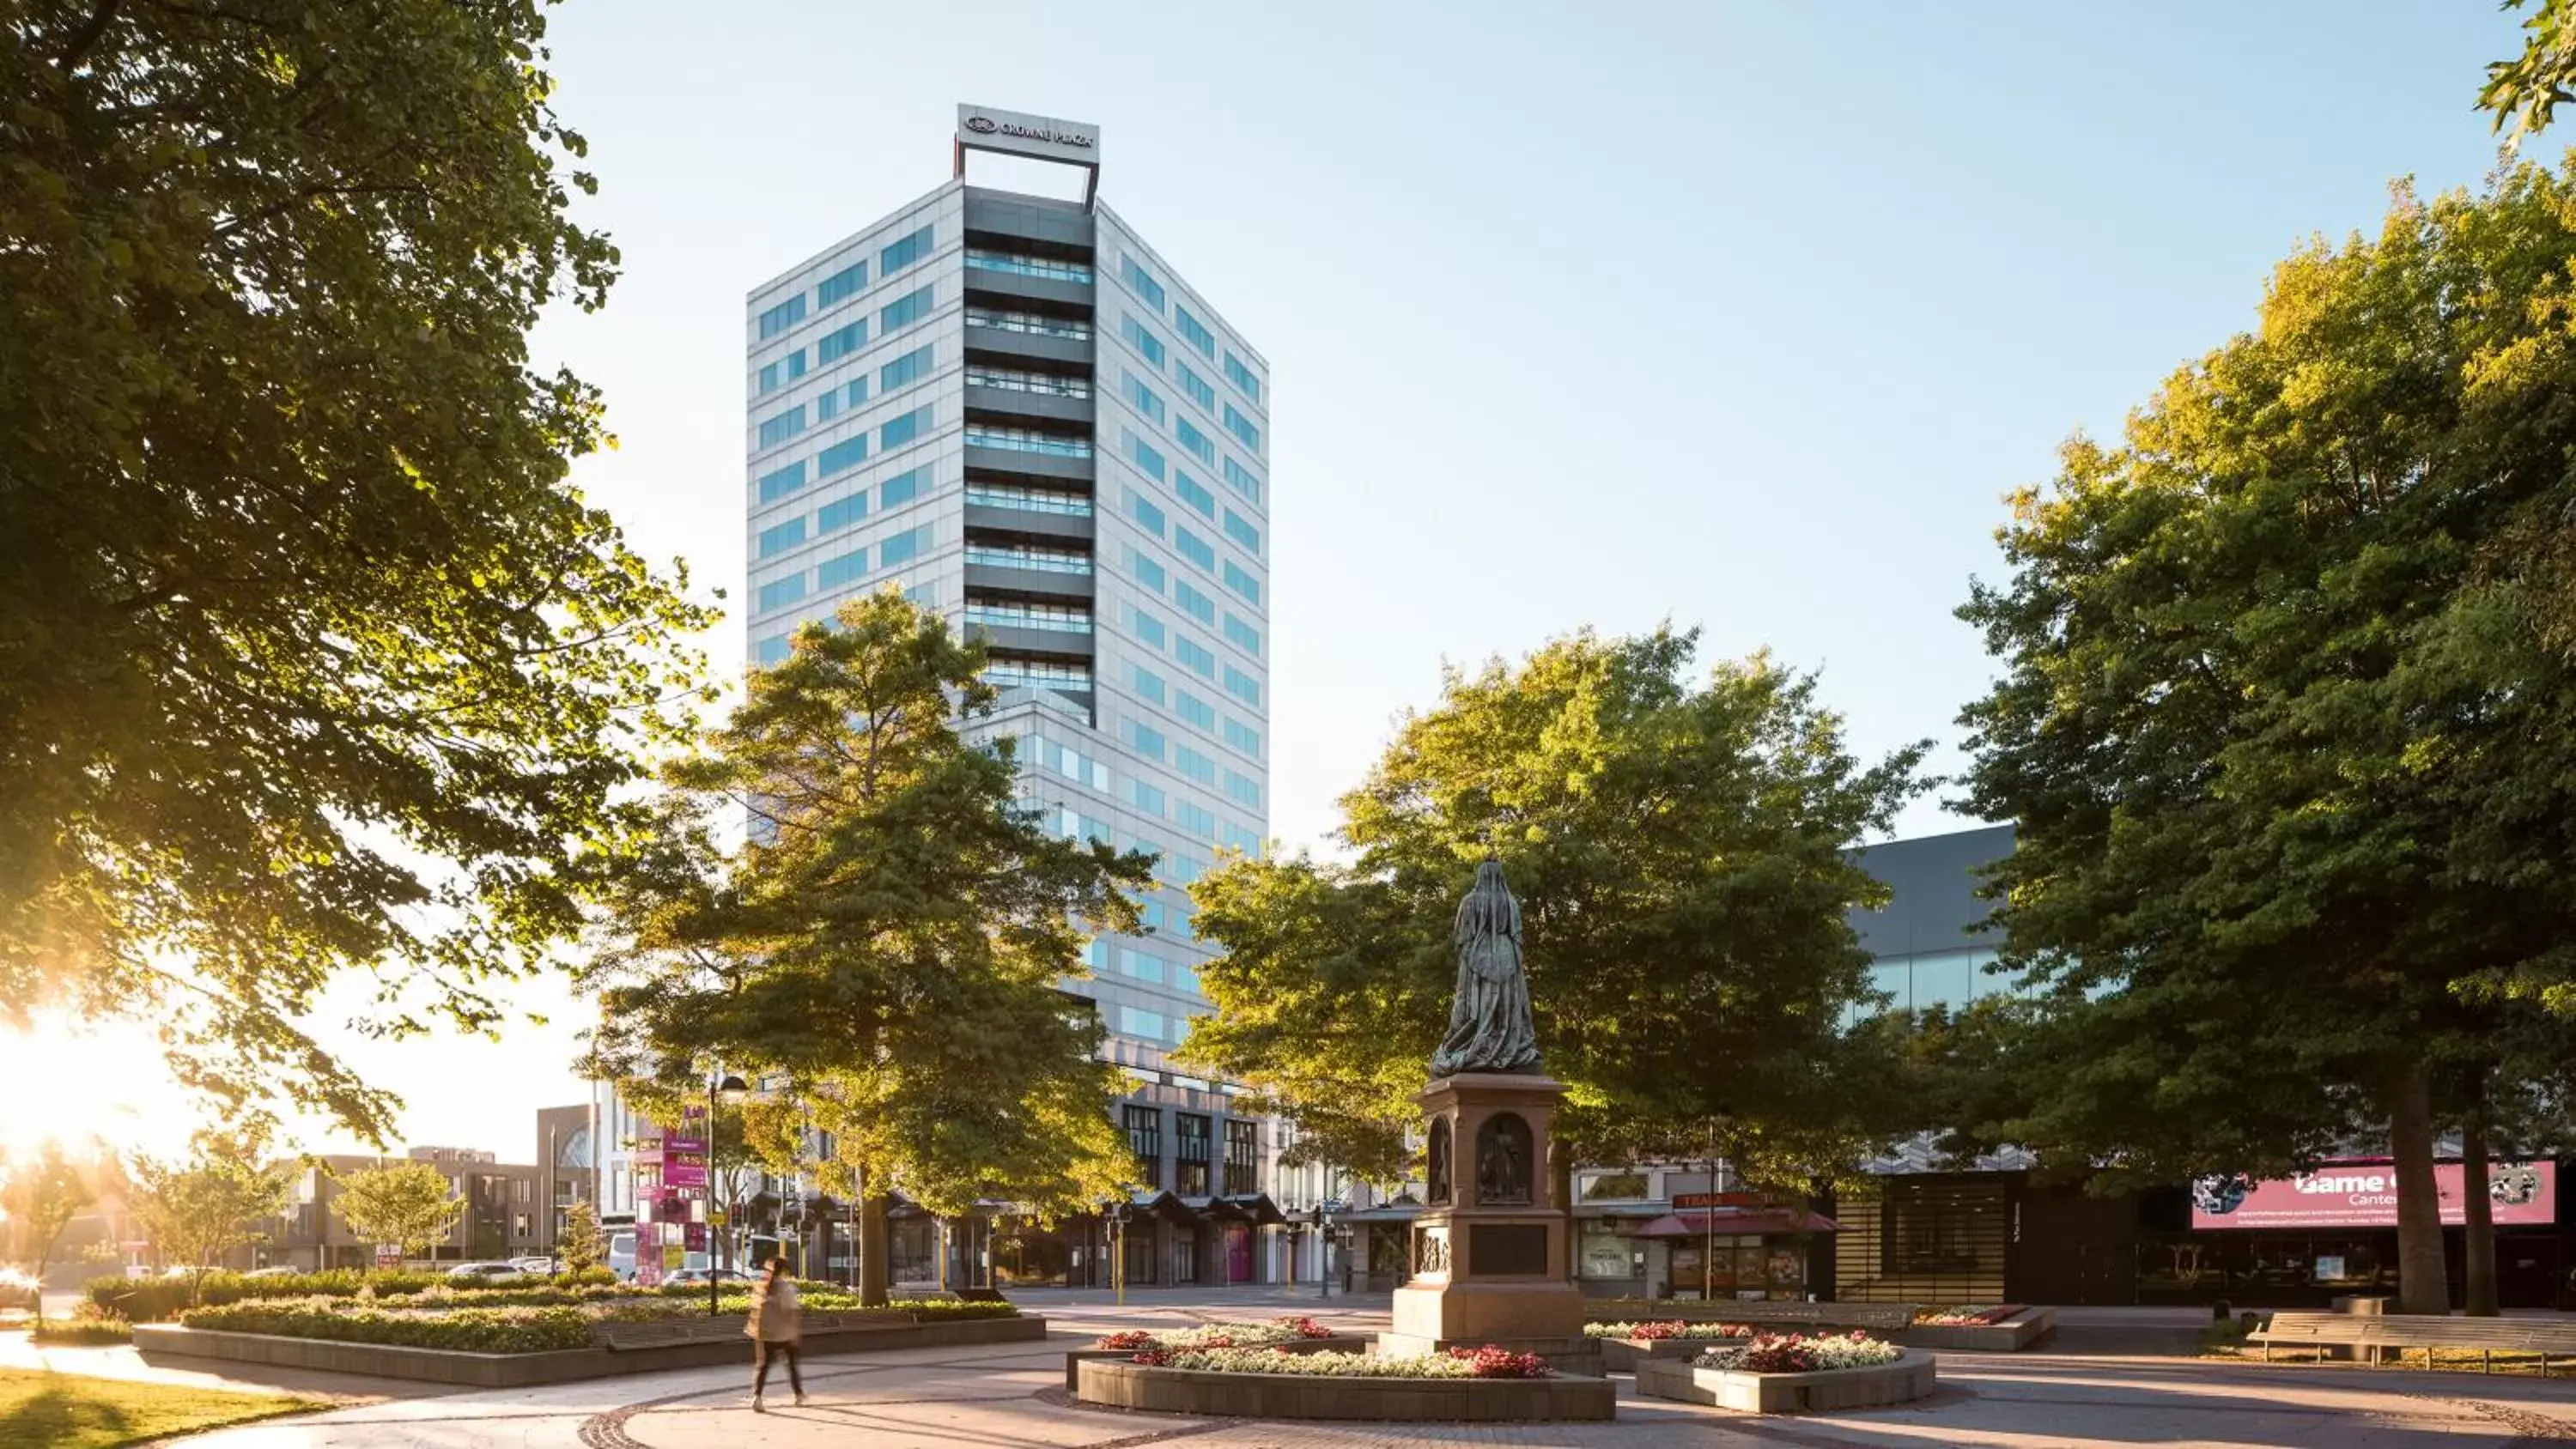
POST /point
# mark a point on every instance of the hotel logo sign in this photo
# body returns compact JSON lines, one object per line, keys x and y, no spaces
{"x":984,"y":128}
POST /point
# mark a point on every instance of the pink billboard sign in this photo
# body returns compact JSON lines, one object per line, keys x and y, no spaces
{"x":2364,"y":1195}
{"x":678,"y":1175}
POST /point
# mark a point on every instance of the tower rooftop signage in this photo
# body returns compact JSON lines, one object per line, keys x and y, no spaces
{"x":1042,"y":138}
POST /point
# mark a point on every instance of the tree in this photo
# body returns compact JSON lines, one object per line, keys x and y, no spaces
{"x":198,"y":1210}
{"x":579,"y":1251}
{"x":1681,"y":855}
{"x":2525,"y":92}
{"x":2282,"y":724}
{"x":40,"y":1198}
{"x":889,"y":940}
{"x":409,"y":1205}
{"x":310,"y":656}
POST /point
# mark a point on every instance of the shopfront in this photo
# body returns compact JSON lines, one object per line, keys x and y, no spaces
{"x":1740,"y":1245}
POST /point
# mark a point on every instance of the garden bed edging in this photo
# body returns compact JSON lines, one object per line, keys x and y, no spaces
{"x":1907,"y":1379}
{"x":1118,"y":1383}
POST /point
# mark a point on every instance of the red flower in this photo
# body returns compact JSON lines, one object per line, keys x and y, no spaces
{"x":1307,"y":1327}
{"x":1153,"y":1358}
{"x":1130,"y":1339}
{"x":1496,"y":1362}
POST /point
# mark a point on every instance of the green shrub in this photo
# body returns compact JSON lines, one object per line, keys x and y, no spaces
{"x":593,"y":1277}
{"x":472,"y":1330}
{"x":151,"y":1300}
{"x":949,"y":1310}
{"x":88,"y":1324}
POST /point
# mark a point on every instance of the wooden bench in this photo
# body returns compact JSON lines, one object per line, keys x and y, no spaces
{"x":1759,"y":1312}
{"x":2376,"y":1334}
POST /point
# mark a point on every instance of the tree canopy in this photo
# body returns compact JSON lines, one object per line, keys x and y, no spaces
{"x":1682,"y":859}
{"x":40,"y":1196}
{"x":309,"y":654}
{"x":408,"y":1206}
{"x":2284,"y":721}
{"x":197,"y":1209}
{"x":883,"y":952}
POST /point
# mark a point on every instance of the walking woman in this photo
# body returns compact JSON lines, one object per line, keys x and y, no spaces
{"x":777,"y":1322}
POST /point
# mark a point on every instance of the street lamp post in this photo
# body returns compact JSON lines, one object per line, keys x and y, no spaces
{"x":1322,"y":1218}
{"x":720,"y":1088}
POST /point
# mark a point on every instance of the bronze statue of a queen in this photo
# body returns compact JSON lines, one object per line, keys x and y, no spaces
{"x":1489,"y":1017}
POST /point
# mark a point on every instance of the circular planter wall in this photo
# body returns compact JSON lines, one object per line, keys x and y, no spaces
{"x":1622,"y":1355}
{"x":1074,"y":1359}
{"x":1125,"y":1385}
{"x":1907,"y":1379}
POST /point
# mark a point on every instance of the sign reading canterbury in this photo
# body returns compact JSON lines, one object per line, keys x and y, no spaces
{"x":987,"y":129}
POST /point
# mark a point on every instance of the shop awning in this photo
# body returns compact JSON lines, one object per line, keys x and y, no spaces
{"x":1725,"y":1222}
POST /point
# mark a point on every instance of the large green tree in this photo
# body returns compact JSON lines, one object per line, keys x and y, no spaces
{"x":2282,"y":724}
{"x":309,"y":654}
{"x":198,"y":1209}
{"x":406,"y":1205}
{"x":1681,"y":852}
{"x":884,"y":950}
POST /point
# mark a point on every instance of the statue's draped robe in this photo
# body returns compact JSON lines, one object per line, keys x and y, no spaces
{"x":1489,"y":1017}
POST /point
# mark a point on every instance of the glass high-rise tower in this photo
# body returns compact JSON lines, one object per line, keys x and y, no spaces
{"x":1015,"y":410}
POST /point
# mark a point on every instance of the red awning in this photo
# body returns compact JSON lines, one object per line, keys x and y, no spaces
{"x":1729,"y":1221}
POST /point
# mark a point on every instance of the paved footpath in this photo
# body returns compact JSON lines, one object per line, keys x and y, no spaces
{"x":1006,"y":1397}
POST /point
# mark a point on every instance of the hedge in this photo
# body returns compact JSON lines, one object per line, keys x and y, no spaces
{"x":151,"y":1300}
{"x":472,"y":1330}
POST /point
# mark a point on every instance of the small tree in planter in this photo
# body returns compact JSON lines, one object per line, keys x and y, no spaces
{"x":579,"y":1252}
{"x":199,"y":1210}
{"x":408,"y":1204}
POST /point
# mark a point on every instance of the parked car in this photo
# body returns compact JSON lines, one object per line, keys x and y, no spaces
{"x":703,"y":1276}
{"x":537,"y":1267}
{"x":473,"y":1273}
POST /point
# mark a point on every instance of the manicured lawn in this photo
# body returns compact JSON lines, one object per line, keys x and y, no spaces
{"x":67,"y":1411}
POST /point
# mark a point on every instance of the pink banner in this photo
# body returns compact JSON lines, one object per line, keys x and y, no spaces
{"x":2364,"y":1195}
{"x":679,"y":1175}
{"x":684,"y":1144}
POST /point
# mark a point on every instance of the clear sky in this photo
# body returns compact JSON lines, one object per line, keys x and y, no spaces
{"x":1740,"y":315}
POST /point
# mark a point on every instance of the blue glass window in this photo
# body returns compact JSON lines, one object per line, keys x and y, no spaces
{"x":1241,"y":531}
{"x":1247,"y":791}
{"x":901,"y":430}
{"x":841,"y":456}
{"x":1195,"y":385}
{"x":909,"y":368}
{"x":1242,"y":480}
{"x":1150,"y":800}
{"x":777,"y":483}
{"x":903,"y":487}
{"x":1140,"y":396}
{"x":783,"y":316}
{"x":1193,"y":331}
{"x":1199,"y":445}
{"x":1242,"y":378}
{"x":1194,"y":548}
{"x":1148,"y":742}
{"x":1193,"y":655}
{"x":1148,"y":628}
{"x":1147,"y":345}
{"x":1244,"y":635}
{"x":782,"y":372}
{"x":1196,"y":819}
{"x":1243,"y":686}
{"x":1143,"y":454}
{"x":1242,"y":582}
{"x":1200,"y":606}
{"x":1149,"y":684}
{"x":1241,"y":426}
{"x":782,"y":592}
{"x":833,"y":517}
{"x":849,"y":568}
{"x":1146,"y":513}
{"x":782,"y":538}
{"x":779,"y":427}
{"x":840,"y":342}
{"x":832,"y":402}
{"x":841,"y":285}
{"x":903,"y":252}
{"x":1195,"y":710}
{"x":1243,"y":737}
{"x":904,"y":547}
{"x":1147,"y":572}
{"x":1193,"y":494}
{"x":1194,"y":765}
{"x":1142,"y":283}
{"x":773,"y":650}
{"x":903,"y":311}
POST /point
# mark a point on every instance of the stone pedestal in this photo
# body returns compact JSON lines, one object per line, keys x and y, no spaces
{"x":1490,"y":1247}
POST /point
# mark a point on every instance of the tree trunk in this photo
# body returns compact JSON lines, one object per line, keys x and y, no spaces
{"x":2423,"y":1274}
{"x":2478,"y":1214}
{"x":875,"y":1249}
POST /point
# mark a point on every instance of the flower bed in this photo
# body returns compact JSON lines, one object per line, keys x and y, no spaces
{"x":1797,"y":1353}
{"x":472,"y":1330}
{"x":1667,"y":1328}
{"x":1217,"y":1335}
{"x":1968,"y":1315}
{"x":1487,"y":1384}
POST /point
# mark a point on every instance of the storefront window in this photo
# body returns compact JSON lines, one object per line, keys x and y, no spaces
{"x":1603,"y":1252}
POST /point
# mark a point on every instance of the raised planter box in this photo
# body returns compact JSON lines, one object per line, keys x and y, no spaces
{"x":1622,"y":1355}
{"x":1907,"y":1379}
{"x":2013,"y":1334}
{"x":1293,"y":1396}
{"x":518,"y":1370}
{"x":1767,"y":1314}
{"x":1338,"y":1343}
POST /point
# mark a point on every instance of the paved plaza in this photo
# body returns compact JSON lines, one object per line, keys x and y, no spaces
{"x":1008,"y":1397}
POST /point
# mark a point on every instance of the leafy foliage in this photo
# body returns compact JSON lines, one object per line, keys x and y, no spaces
{"x":40,"y":1198}
{"x":472,"y":1330}
{"x":581,"y":1250}
{"x":2287,"y":724}
{"x":197,"y":1211}
{"x":406,"y":1204}
{"x":309,"y":655}
{"x":1680,"y":855}
{"x":2525,"y":92}
{"x":883,"y":953}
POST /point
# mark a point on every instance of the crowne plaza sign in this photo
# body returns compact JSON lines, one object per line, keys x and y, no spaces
{"x":1016,"y":133}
